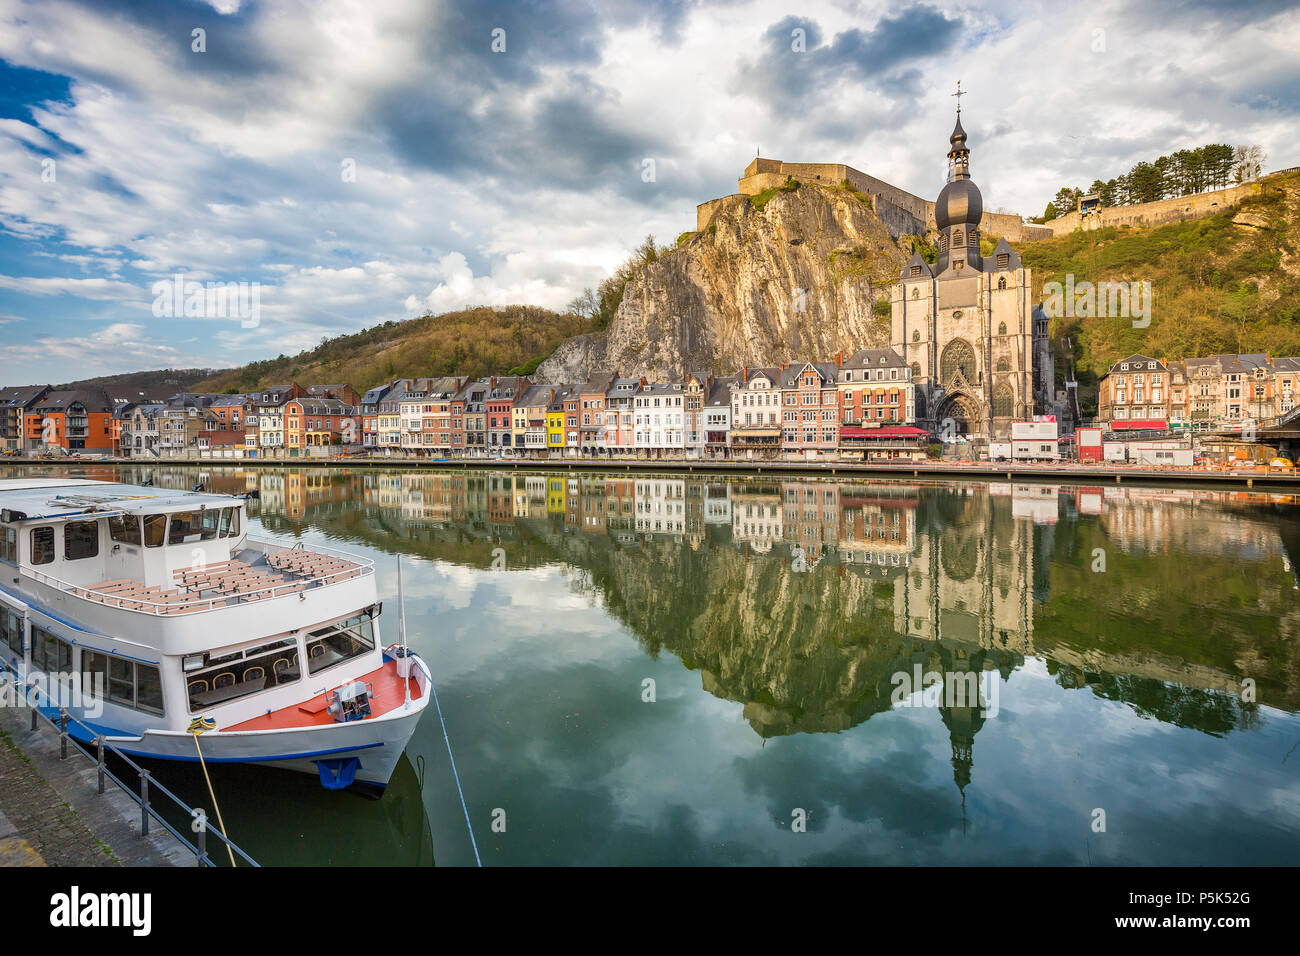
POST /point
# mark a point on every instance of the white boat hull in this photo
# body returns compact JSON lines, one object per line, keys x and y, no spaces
{"x":377,"y":743}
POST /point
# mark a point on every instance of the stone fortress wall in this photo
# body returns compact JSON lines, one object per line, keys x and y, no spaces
{"x":905,"y":214}
{"x":902,"y":213}
{"x":1153,"y":213}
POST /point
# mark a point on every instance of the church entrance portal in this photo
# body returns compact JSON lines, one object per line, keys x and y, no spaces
{"x":958,"y":415}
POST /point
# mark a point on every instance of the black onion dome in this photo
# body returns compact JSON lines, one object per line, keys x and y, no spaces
{"x":959,"y":203}
{"x":958,"y":137}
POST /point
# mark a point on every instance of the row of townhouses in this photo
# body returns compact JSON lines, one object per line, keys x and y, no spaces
{"x":849,"y":407}
{"x":285,"y":420}
{"x":854,"y":407}
{"x":1217,"y":390}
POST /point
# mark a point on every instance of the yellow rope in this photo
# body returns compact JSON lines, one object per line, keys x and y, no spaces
{"x":197,"y":727}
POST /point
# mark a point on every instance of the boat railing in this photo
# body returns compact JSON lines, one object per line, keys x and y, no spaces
{"x":187,"y":604}
{"x":148,"y":787}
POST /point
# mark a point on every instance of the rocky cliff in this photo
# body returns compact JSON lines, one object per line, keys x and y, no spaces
{"x":790,"y":273}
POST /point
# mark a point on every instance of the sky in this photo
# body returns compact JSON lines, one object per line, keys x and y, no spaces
{"x":354,"y":162}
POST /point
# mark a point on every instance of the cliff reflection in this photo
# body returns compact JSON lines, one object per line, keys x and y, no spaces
{"x":801,"y":599}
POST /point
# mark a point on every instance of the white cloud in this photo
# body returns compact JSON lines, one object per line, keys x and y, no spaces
{"x":227,"y":165}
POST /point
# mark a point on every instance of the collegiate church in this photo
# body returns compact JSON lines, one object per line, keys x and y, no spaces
{"x":967,"y":325}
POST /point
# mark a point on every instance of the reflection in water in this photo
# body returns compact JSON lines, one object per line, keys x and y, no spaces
{"x":1119,"y":626}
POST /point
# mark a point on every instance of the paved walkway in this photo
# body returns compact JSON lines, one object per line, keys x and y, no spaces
{"x":36,"y":827}
{"x":52,"y":815}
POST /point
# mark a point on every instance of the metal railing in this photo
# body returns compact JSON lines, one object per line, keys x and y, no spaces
{"x":148,"y":785}
{"x":359,"y":567}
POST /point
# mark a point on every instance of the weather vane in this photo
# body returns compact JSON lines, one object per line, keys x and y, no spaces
{"x":959,"y":94}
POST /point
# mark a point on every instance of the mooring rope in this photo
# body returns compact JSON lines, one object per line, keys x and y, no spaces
{"x":454,"y":773}
{"x":197,"y":726}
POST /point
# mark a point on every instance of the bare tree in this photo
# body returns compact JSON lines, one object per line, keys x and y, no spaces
{"x":1248,"y":163}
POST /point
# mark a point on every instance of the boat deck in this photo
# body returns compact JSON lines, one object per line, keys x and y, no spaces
{"x":224,"y":583}
{"x":390,"y":693}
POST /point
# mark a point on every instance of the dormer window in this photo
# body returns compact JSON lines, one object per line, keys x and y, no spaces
{"x":1003,"y":262}
{"x":916,"y":270}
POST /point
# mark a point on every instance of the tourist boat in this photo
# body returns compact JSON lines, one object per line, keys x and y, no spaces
{"x":154,"y":619}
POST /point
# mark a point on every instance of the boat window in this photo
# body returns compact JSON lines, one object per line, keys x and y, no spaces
{"x":129,"y":683}
{"x":190,"y":526}
{"x":50,"y":654}
{"x":9,"y":545}
{"x":11,"y":631}
{"x":229,"y":522}
{"x":218,"y":678}
{"x":80,"y":540}
{"x":339,"y":642}
{"x":42,"y":545}
{"x":124,"y":529}
{"x":155,"y":530}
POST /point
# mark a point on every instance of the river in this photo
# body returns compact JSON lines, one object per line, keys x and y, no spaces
{"x":640,"y":669}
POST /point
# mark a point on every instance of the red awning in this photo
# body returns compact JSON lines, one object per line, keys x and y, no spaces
{"x":1137,"y":425}
{"x":890,"y":431}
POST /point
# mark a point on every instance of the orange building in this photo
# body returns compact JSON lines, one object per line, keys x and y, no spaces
{"x":76,"y":421}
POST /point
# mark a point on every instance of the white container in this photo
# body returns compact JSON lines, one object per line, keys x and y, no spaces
{"x":1033,"y":431}
{"x":404,"y":660}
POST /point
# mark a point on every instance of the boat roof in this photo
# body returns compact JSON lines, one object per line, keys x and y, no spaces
{"x":68,"y":497}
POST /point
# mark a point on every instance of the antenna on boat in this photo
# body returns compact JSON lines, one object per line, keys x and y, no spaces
{"x":401,"y":629}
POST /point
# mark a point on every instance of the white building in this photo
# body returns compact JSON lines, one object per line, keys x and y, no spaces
{"x":659,"y":421}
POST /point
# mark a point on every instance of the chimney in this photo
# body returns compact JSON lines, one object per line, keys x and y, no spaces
{"x":839,"y":358}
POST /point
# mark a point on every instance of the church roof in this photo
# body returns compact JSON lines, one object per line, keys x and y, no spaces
{"x":1004,"y":248}
{"x":912,"y":263}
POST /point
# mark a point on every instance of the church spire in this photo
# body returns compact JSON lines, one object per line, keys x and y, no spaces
{"x":958,"y":152}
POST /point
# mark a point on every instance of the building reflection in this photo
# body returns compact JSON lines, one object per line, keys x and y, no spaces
{"x":800,"y":599}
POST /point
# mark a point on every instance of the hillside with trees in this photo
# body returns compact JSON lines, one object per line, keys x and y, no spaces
{"x":1224,"y":283}
{"x":486,"y":340}
{"x":181,"y":379}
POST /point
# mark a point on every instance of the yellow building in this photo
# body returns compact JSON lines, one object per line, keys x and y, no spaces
{"x":555,"y":428}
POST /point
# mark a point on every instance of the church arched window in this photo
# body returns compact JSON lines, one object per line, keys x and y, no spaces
{"x":916,"y":370}
{"x":916,"y":292}
{"x":1002,"y":328}
{"x":1003,"y":402}
{"x":916,"y":336}
{"x":1002,"y":282}
{"x":1004,"y":364}
{"x":956,"y":238}
{"x":957,"y":356}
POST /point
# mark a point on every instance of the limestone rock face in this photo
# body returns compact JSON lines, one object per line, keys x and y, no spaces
{"x":793,"y":279}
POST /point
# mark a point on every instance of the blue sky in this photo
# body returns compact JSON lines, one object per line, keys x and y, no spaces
{"x":517,"y":176}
